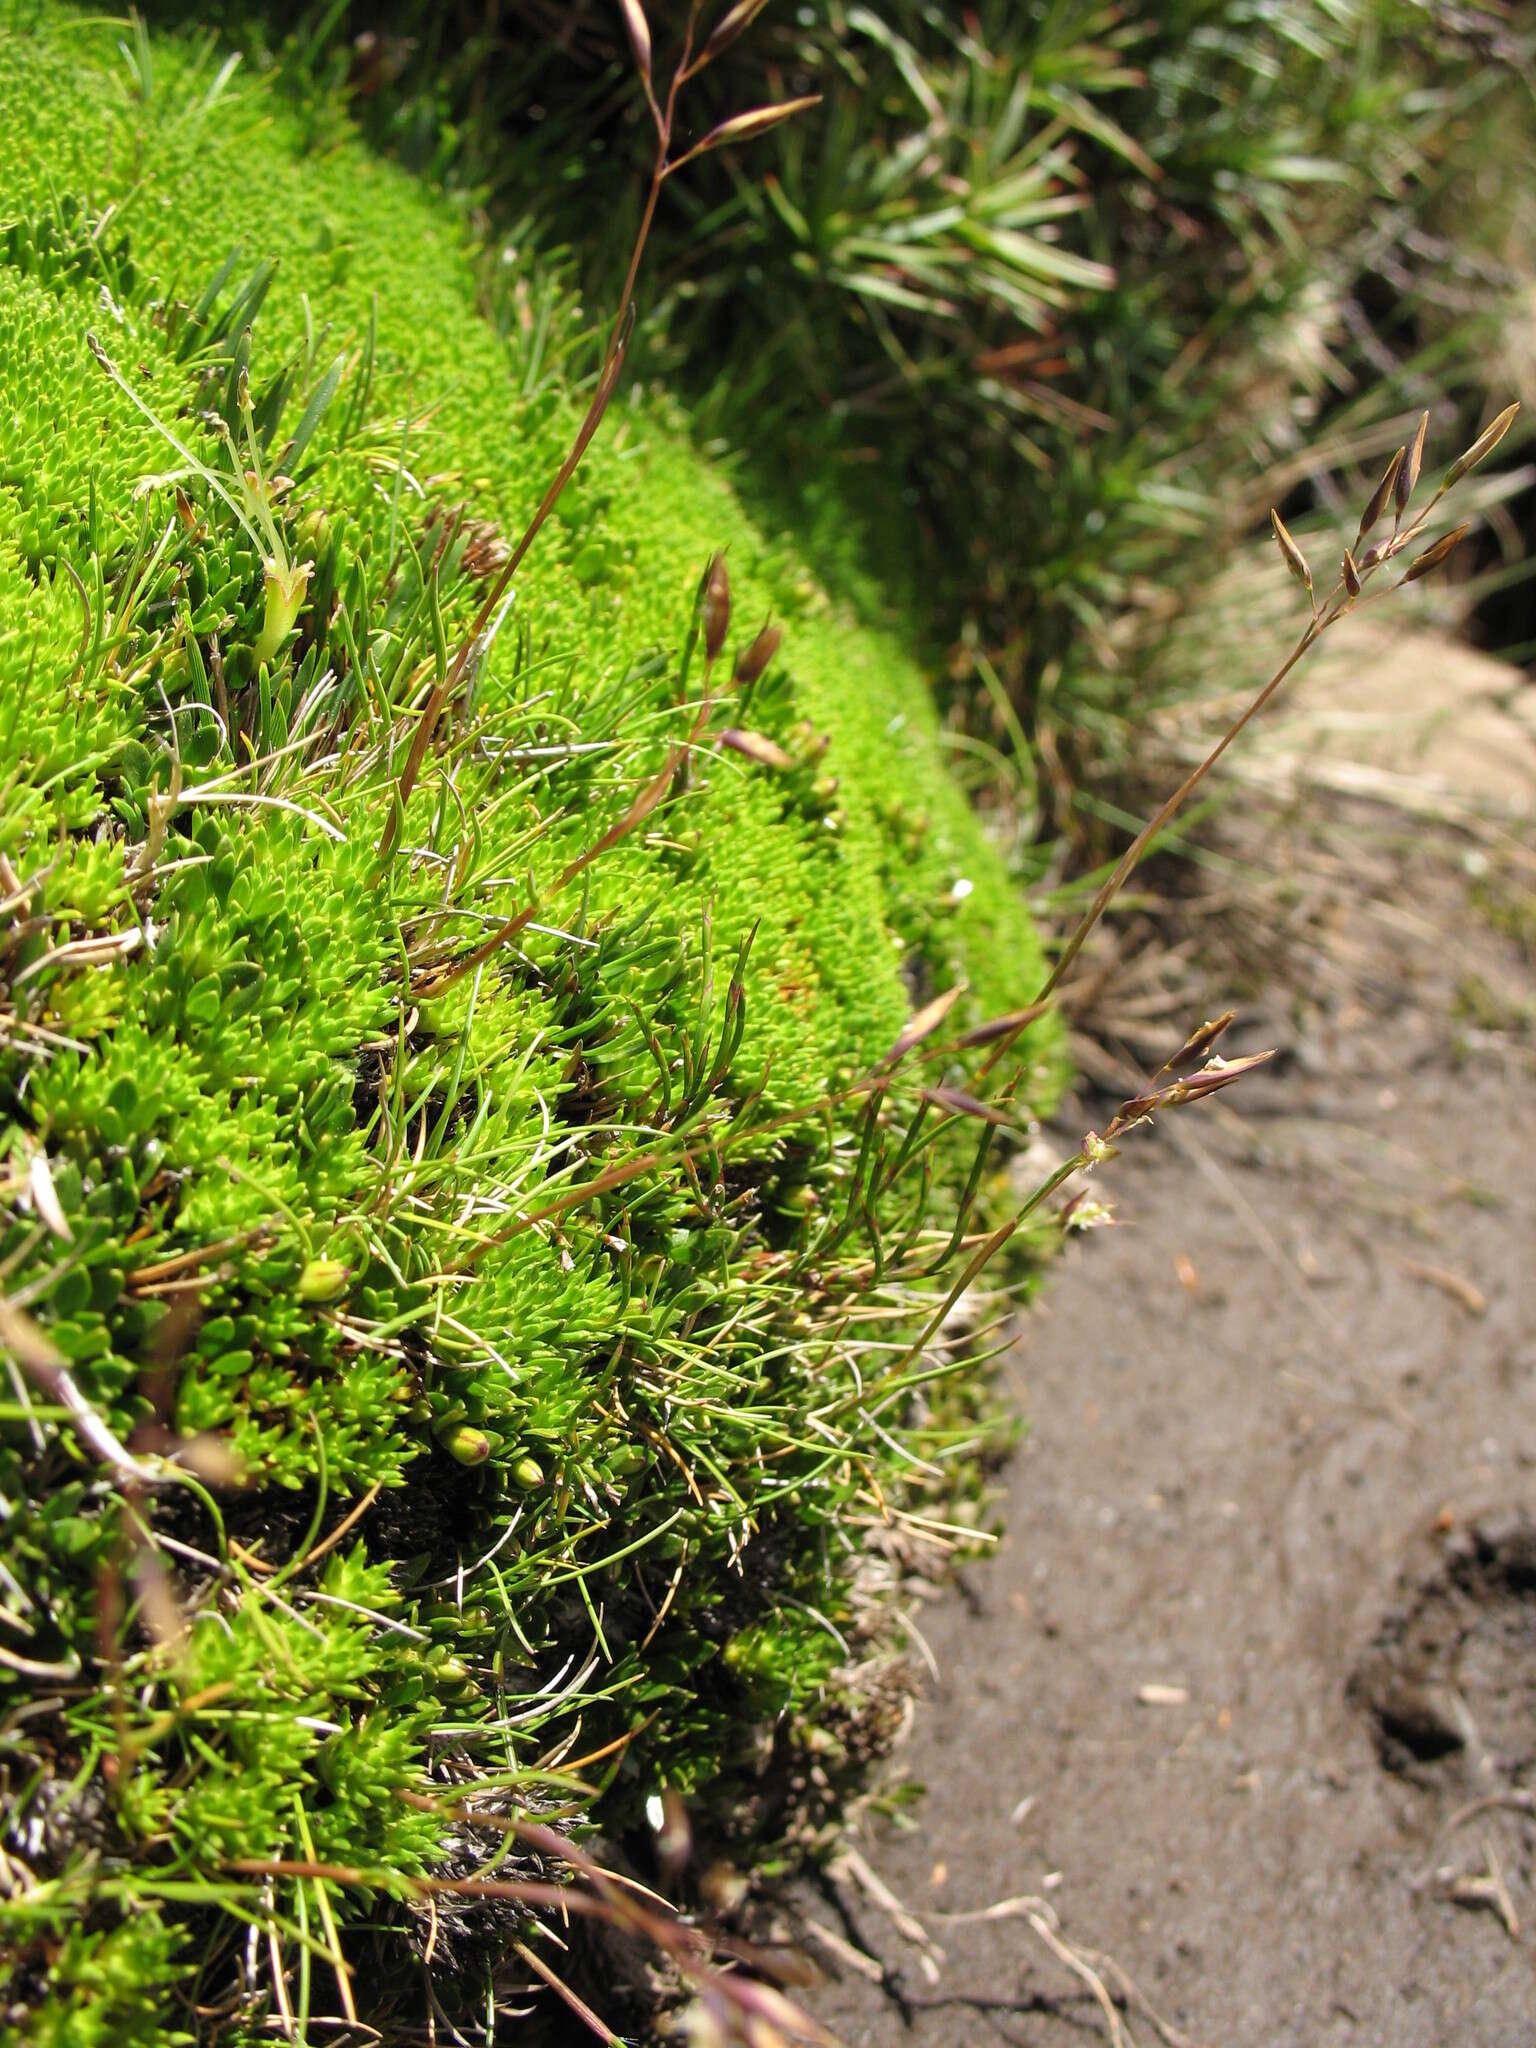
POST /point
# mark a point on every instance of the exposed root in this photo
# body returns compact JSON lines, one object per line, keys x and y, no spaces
{"x":1113,"y":1991}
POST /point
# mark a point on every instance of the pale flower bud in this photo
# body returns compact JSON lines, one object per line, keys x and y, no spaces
{"x":285,"y":597}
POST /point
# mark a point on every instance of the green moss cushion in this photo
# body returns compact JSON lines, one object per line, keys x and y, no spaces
{"x":421,"y":1379}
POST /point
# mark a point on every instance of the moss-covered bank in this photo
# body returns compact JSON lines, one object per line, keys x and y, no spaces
{"x":433,"y":1367}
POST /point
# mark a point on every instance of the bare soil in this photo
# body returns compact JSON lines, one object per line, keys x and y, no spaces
{"x":1246,"y":1702}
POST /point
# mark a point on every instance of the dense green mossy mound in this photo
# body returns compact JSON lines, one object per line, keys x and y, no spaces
{"x":466,"y":1310}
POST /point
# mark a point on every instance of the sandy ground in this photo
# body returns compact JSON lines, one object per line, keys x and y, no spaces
{"x":1247,"y":1700}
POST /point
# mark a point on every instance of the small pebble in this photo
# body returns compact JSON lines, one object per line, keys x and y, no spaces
{"x":1163,"y":1696}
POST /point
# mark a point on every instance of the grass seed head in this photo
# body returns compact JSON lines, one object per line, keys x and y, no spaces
{"x":924,"y":1023}
{"x":742,"y":127}
{"x":1379,"y":497}
{"x":731,"y":24}
{"x":1291,"y":554}
{"x":1204,"y":1036}
{"x":756,"y":746}
{"x":1485,"y":444}
{"x":717,"y":607}
{"x":1408,"y":474}
{"x":639,"y":35}
{"x":1441,"y":551}
{"x":753,"y":660}
{"x":1351,"y":573}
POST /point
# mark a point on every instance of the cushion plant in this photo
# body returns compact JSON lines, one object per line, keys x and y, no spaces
{"x":476,"y":1220}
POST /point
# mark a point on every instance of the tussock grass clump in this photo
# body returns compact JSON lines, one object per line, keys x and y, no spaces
{"x":475,"y":1219}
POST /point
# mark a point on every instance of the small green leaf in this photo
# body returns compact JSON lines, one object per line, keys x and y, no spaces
{"x":202,"y":1004}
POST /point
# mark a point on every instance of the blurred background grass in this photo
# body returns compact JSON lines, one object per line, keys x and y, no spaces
{"x":1025,"y":326}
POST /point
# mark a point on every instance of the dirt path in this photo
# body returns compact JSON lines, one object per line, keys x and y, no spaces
{"x":1282,"y":1472}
